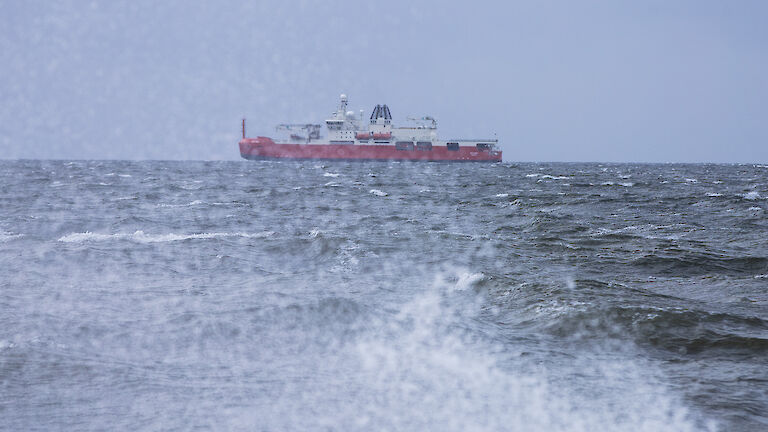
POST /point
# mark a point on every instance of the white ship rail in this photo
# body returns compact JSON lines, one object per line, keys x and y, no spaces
{"x":494,"y":140}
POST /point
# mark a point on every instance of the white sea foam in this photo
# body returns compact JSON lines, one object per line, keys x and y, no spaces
{"x":501,"y":195}
{"x":751,"y":196}
{"x":7,"y":236}
{"x":546,"y":176}
{"x":755,"y":209}
{"x":189,"y":204}
{"x":5,"y":344}
{"x":330,"y":174}
{"x":691,"y":180}
{"x":624,"y":184}
{"x":424,"y":373}
{"x":466,"y":280}
{"x":378,"y":192}
{"x":714,"y":194}
{"x":189,"y":187}
{"x":141,"y":237}
{"x":570,"y":283}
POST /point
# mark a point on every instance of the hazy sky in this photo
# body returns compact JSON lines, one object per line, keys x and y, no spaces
{"x":657,"y":81}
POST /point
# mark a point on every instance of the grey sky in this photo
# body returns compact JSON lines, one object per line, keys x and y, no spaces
{"x":658,"y":81}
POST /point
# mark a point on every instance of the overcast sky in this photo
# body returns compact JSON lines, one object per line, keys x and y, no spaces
{"x":654,"y":81}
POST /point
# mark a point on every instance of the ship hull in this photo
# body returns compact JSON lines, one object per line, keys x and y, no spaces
{"x":263,"y":148}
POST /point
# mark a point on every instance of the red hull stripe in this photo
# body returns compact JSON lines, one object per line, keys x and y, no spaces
{"x":265,"y":148}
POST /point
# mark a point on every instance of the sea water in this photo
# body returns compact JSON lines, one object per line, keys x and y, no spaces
{"x":292,"y":296}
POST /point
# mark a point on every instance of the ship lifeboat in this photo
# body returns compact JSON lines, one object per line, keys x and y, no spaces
{"x":376,"y":136}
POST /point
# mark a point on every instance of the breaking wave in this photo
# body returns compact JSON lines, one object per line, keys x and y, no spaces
{"x":419,"y":367}
{"x":378,"y":192}
{"x":425,"y":373}
{"x":7,"y":236}
{"x":141,"y":237}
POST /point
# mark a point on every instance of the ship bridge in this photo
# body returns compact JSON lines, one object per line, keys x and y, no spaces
{"x":342,"y":124}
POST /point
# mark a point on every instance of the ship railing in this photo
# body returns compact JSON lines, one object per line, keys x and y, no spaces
{"x":494,"y":140}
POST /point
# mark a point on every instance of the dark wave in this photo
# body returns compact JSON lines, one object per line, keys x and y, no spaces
{"x":694,"y":264}
{"x":675,"y":331}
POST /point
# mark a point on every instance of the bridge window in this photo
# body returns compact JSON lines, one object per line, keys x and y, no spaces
{"x":424,"y":146}
{"x":452,"y":146}
{"x":483,"y":146}
{"x":334,"y":124}
{"x":404,"y":145}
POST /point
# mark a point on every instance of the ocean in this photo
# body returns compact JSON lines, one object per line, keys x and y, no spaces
{"x":338,"y":296}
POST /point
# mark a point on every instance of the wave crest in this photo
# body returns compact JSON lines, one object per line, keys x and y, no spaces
{"x":142,"y":237}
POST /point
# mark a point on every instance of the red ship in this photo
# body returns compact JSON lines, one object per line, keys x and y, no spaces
{"x":348,"y":140}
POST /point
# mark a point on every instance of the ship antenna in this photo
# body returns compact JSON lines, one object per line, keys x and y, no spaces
{"x":243,"y":127}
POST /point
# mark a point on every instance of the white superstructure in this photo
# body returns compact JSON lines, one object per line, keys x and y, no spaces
{"x":344,"y":127}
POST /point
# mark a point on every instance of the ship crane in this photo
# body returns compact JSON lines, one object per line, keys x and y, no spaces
{"x":424,"y":119}
{"x":312,"y":130}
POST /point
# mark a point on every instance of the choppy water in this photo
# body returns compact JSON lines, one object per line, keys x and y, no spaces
{"x":282,"y":296}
